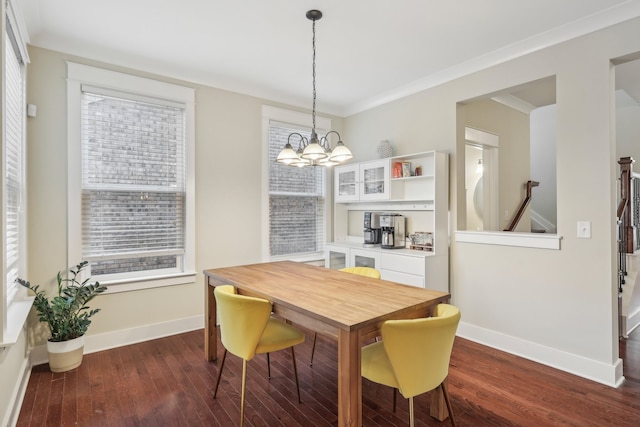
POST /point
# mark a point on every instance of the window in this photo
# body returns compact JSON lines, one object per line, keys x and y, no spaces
{"x":14,"y":304}
{"x":297,"y":207}
{"x":132,"y":204}
{"x":13,"y":163}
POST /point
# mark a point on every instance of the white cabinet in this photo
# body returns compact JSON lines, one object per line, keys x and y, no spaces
{"x":362,"y":181}
{"x":339,"y":256}
{"x":364,"y":258}
{"x":421,"y":195}
{"x":347,"y":183}
{"x":415,"y":268}
{"x":336,"y":256}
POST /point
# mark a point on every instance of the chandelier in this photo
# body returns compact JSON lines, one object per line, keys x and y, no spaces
{"x":313,"y":151}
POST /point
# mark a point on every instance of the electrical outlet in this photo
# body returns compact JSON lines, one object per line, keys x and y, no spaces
{"x":584,"y":230}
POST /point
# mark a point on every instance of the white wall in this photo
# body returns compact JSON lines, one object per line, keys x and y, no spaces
{"x":555,"y":306}
{"x":543,"y":164}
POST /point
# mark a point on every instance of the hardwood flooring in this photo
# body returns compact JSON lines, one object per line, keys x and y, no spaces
{"x":167,"y":382}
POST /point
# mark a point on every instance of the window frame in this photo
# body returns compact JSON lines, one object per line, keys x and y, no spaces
{"x":297,"y":119}
{"x":80,"y":74}
{"x":14,"y":305}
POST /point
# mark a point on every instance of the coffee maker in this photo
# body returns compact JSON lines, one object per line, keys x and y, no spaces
{"x":372,"y":232}
{"x":392,"y":225}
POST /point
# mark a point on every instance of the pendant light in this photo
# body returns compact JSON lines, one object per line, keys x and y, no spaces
{"x":314,"y":151}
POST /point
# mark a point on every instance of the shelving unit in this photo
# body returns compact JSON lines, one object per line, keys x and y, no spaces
{"x":421,"y":196}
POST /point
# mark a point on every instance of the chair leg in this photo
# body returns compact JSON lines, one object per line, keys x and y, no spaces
{"x":224,"y":357}
{"x":244,"y":378}
{"x":268,"y":366}
{"x":411,"y":419}
{"x":313,"y":348}
{"x":395,"y":397}
{"x":295,"y":371}
{"x":445,"y":392}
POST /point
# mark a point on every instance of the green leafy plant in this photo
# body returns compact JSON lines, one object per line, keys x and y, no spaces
{"x":67,"y":313}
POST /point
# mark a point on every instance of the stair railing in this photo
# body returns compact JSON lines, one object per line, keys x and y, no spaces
{"x":627,"y":216}
{"x":525,"y":202}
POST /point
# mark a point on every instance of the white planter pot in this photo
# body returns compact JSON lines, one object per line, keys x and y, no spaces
{"x":65,"y":355}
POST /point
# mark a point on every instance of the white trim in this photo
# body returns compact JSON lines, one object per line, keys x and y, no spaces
{"x":297,"y":118}
{"x":17,"y":396}
{"x":606,"y":18}
{"x":79,"y":74}
{"x":16,"y":19}
{"x":17,"y":313}
{"x":118,"y":286}
{"x":604,"y":373}
{"x":523,"y":240}
{"x":120,"y":338}
{"x":481,"y":137}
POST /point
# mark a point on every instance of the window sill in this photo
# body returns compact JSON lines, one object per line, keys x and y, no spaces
{"x":311,"y":257}
{"x":522,"y":240}
{"x":117,"y":286}
{"x":16,"y":318}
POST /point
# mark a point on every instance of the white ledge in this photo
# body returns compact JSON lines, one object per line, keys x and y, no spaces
{"x":16,"y":318}
{"x":506,"y":238}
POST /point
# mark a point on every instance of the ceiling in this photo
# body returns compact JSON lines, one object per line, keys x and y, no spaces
{"x":368,"y":51}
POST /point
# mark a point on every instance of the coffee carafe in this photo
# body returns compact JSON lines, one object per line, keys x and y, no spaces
{"x":372,"y":230}
{"x":392,"y":226}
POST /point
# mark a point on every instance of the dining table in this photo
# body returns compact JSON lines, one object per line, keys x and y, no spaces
{"x":348,"y":307}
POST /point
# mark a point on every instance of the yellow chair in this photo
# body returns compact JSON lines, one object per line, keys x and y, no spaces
{"x":413,"y":355}
{"x":247,"y":329}
{"x":361,"y":271}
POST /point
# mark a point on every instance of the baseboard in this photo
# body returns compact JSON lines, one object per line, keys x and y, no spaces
{"x":594,"y":370}
{"x":108,"y":340}
{"x":11,"y":417}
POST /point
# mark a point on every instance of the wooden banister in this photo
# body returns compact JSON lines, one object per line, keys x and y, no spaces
{"x":624,"y":207}
{"x":516,"y":219}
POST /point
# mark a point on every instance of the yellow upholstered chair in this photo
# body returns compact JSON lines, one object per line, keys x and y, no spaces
{"x":413,"y":356}
{"x":362,"y":271}
{"x":247,"y":329}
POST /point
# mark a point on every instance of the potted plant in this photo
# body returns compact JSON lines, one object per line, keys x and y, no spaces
{"x":67,"y":316}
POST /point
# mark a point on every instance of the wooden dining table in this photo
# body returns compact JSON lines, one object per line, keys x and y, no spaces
{"x":348,"y":307}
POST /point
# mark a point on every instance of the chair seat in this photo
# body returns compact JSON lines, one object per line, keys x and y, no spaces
{"x":376,"y":365}
{"x":278,"y":335}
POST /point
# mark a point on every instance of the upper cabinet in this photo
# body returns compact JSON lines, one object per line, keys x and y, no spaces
{"x":402,"y":179}
{"x":364,"y":181}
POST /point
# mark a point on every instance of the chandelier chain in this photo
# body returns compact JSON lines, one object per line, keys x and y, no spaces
{"x":313,"y":115}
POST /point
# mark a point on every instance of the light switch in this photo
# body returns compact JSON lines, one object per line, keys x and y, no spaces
{"x":584,"y":229}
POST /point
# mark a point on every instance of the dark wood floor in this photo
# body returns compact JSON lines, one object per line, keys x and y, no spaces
{"x":166,"y":382}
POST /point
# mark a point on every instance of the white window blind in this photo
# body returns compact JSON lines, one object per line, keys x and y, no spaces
{"x":13,"y":163}
{"x":296,"y":199}
{"x":133,"y":183}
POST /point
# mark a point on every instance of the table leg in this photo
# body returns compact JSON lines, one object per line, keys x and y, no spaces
{"x":349,"y":380}
{"x":210,"y":331}
{"x":438,"y":408}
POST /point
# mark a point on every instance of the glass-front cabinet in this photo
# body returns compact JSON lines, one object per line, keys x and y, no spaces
{"x":374,"y":180}
{"x":347,"y":181}
{"x":365,"y":258}
{"x":363,"y":181}
{"x":336,"y":257}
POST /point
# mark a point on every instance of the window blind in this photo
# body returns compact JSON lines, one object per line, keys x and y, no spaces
{"x":13,"y":164}
{"x":133,"y":183}
{"x":296,"y":200}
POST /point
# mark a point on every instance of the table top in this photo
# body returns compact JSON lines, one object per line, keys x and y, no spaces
{"x":346,"y":301}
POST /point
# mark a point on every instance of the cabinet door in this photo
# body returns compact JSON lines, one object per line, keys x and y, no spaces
{"x":336,"y":257}
{"x":346,"y":182}
{"x":374,"y":180}
{"x":365,"y":258}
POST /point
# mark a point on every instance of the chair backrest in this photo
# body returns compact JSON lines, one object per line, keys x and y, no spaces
{"x":242,"y":320}
{"x":362,"y":271}
{"x":420,"y":349}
